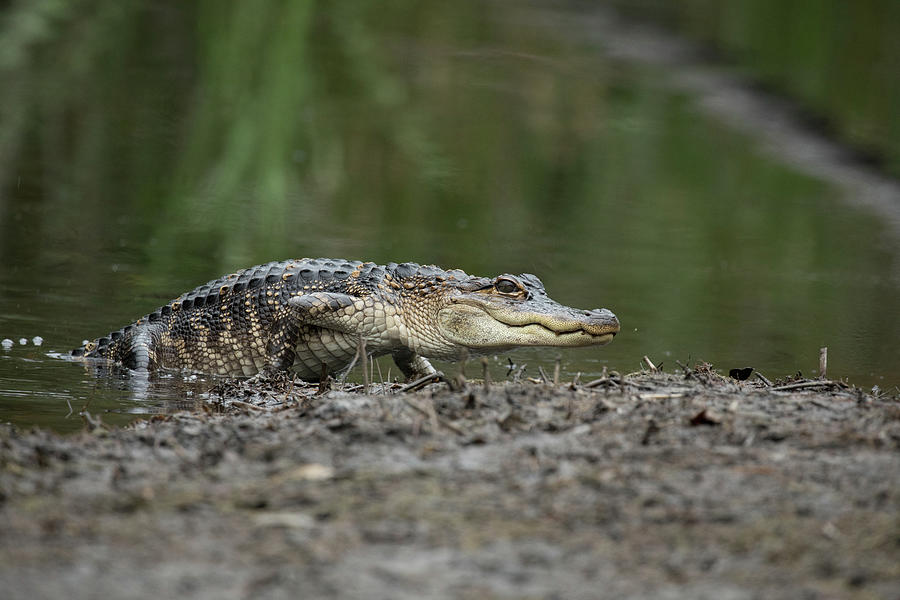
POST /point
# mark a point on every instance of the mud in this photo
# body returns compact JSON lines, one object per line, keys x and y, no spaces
{"x":686,"y":485}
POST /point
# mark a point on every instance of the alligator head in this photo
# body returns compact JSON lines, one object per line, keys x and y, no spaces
{"x":495,"y":314}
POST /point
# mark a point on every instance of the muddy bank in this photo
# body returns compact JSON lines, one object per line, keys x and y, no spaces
{"x":684,"y":485}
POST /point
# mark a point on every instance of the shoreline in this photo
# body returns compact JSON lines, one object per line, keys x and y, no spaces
{"x":683,"y":485}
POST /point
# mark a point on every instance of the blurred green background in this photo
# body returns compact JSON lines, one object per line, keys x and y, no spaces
{"x":146,"y":147}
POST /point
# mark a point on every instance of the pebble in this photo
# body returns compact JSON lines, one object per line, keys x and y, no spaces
{"x":37,"y":340}
{"x":6,"y":343}
{"x":22,"y":341}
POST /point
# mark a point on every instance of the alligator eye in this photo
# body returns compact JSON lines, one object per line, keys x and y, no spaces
{"x":506,"y":286}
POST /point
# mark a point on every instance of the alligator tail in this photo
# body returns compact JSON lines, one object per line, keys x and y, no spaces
{"x":132,"y":346}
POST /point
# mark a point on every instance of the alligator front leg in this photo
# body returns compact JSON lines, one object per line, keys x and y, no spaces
{"x":411,"y":364}
{"x":280,"y":347}
{"x":353,"y":316}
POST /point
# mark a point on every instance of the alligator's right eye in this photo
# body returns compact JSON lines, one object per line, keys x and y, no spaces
{"x":506,"y":286}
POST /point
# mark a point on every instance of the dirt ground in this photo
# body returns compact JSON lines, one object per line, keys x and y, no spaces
{"x":653,"y":485}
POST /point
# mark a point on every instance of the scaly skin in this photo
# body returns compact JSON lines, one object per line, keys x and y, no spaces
{"x":303,"y":314}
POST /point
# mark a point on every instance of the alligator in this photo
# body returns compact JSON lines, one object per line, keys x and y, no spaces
{"x":313,"y":316}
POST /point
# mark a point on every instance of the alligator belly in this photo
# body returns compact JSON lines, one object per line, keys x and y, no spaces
{"x":323,"y":346}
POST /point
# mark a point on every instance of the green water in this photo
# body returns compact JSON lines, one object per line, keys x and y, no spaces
{"x":149,"y":147}
{"x":838,"y":58}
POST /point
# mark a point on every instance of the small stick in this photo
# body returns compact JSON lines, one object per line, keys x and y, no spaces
{"x":383,"y":384}
{"x":362,"y":353}
{"x":436,"y":419}
{"x":459,"y":382}
{"x":385,"y":413}
{"x":575,"y":379}
{"x":463,"y":359}
{"x":604,"y":378}
{"x":432,"y":414}
{"x":543,"y":375}
{"x":556,"y":372}
{"x":89,"y":419}
{"x":486,"y":373}
{"x":323,"y":381}
{"x":802,"y":385}
{"x":764,"y":379}
{"x":289,"y":391}
{"x":649,"y":363}
{"x":423,"y":381}
{"x":352,"y":364}
{"x":823,"y":361}
{"x":597,"y":382}
{"x":243,"y":404}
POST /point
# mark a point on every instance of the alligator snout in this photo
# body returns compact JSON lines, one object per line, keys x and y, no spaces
{"x":603,"y":319}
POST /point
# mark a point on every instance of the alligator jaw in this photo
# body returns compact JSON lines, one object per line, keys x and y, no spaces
{"x":576,"y":337}
{"x":485,"y":326}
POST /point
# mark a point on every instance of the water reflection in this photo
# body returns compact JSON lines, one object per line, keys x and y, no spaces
{"x":54,"y":391}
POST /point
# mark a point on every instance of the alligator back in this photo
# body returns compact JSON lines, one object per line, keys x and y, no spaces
{"x":232,"y":325}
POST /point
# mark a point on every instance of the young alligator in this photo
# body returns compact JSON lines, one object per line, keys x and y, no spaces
{"x":303,"y":314}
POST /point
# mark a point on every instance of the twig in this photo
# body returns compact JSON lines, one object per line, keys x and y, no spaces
{"x":556,"y":372}
{"x":823,"y":361}
{"x":596,"y":382}
{"x":381,"y":401}
{"x":242,"y":404}
{"x":365,"y":366}
{"x":349,"y":367}
{"x":432,"y":414}
{"x":606,"y":376}
{"x":649,"y":363}
{"x":289,"y":391}
{"x":423,"y":381}
{"x":763,"y":379}
{"x":486,"y":373}
{"x":575,"y":379}
{"x":435,"y":419}
{"x":660,"y":396}
{"x":89,"y":419}
{"x":515,"y":370}
{"x":459,"y":382}
{"x":463,"y":359}
{"x":544,"y":377}
{"x":803,"y":385}
{"x":383,"y":384}
{"x":323,"y":382}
